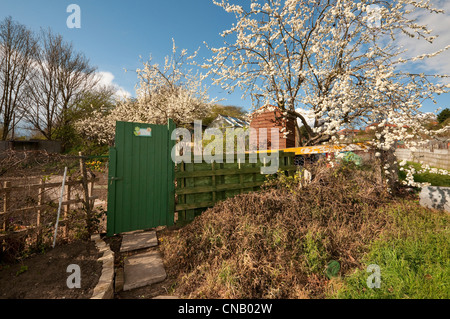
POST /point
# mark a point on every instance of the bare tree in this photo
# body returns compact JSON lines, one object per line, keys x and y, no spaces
{"x":61,"y":76}
{"x":18,"y":48}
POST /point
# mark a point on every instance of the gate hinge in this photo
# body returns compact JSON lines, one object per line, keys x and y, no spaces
{"x":115,"y":179}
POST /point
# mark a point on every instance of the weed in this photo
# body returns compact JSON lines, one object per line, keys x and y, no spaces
{"x":22,"y":269}
{"x":314,"y":253}
{"x":226,"y":275}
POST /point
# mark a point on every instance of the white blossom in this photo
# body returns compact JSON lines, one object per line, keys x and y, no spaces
{"x":325,"y":57}
{"x":164,"y":92}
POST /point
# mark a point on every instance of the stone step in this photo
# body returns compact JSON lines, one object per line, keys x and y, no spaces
{"x":138,"y":240}
{"x":143,"y":269}
{"x":166,"y":297}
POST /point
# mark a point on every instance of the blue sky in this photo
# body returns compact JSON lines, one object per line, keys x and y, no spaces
{"x":114,"y":34}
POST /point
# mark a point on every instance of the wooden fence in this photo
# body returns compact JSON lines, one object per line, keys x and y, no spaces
{"x":201,"y":185}
{"x":7,"y":191}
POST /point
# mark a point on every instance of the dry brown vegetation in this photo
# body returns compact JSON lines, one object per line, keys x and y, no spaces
{"x":277,"y":243}
{"x":28,"y":225}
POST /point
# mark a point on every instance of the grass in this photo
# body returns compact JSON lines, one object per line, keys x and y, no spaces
{"x":413,"y":257}
{"x":21,"y":270}
{"x":433,"y":179}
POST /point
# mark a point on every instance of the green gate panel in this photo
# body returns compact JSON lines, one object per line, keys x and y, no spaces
{"x":141,"y":187}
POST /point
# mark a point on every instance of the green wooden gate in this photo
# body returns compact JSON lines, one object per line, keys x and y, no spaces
{"x":141,"y":187}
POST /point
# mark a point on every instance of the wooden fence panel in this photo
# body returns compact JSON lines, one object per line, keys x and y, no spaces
{"x":201,"y":185}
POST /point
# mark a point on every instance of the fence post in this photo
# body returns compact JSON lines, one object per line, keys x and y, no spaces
{"x":66,"y":207}
{"x":86,"y":201}
{"x":6,"y":198}
{"x":41,"y":191}
{"x":91,"y":192}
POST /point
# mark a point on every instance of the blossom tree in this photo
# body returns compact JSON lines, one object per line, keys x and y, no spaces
{"x":338,"y":59}
{"x":171,"y":91}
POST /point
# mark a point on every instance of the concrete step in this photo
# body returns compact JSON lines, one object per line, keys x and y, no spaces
{"x":138,"y":240}
{"x":143,"y":269}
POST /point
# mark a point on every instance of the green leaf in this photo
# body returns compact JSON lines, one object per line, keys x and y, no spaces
{"x":333,"y":268}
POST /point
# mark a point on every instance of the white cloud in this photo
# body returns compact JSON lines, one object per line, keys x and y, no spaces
{"x":440,"y":26}
{"x":107,"y":79}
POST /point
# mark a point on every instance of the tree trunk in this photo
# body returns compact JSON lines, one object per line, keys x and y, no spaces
{"x":388,"y":162}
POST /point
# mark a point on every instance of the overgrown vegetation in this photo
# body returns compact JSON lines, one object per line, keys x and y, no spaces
{"x":413,"y":256}
{"x":277,"y":244}
{"x":309,"y":241}
{"x":22,"y":235}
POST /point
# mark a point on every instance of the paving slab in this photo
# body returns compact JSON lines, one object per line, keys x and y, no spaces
{"x":143,"y":269}
{"x":166,"y":297}
{"x":119,"y":281}
{"x":138,"y":240}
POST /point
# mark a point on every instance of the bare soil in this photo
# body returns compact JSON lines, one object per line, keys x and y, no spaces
{"x":44,"y":276}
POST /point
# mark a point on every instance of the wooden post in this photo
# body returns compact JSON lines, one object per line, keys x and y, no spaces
{"x":86,"y":200}
{"x":91,"y":192}
{"x":6,"y":199}
{"x":41,"y":191}
{"x":66,"y":207}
